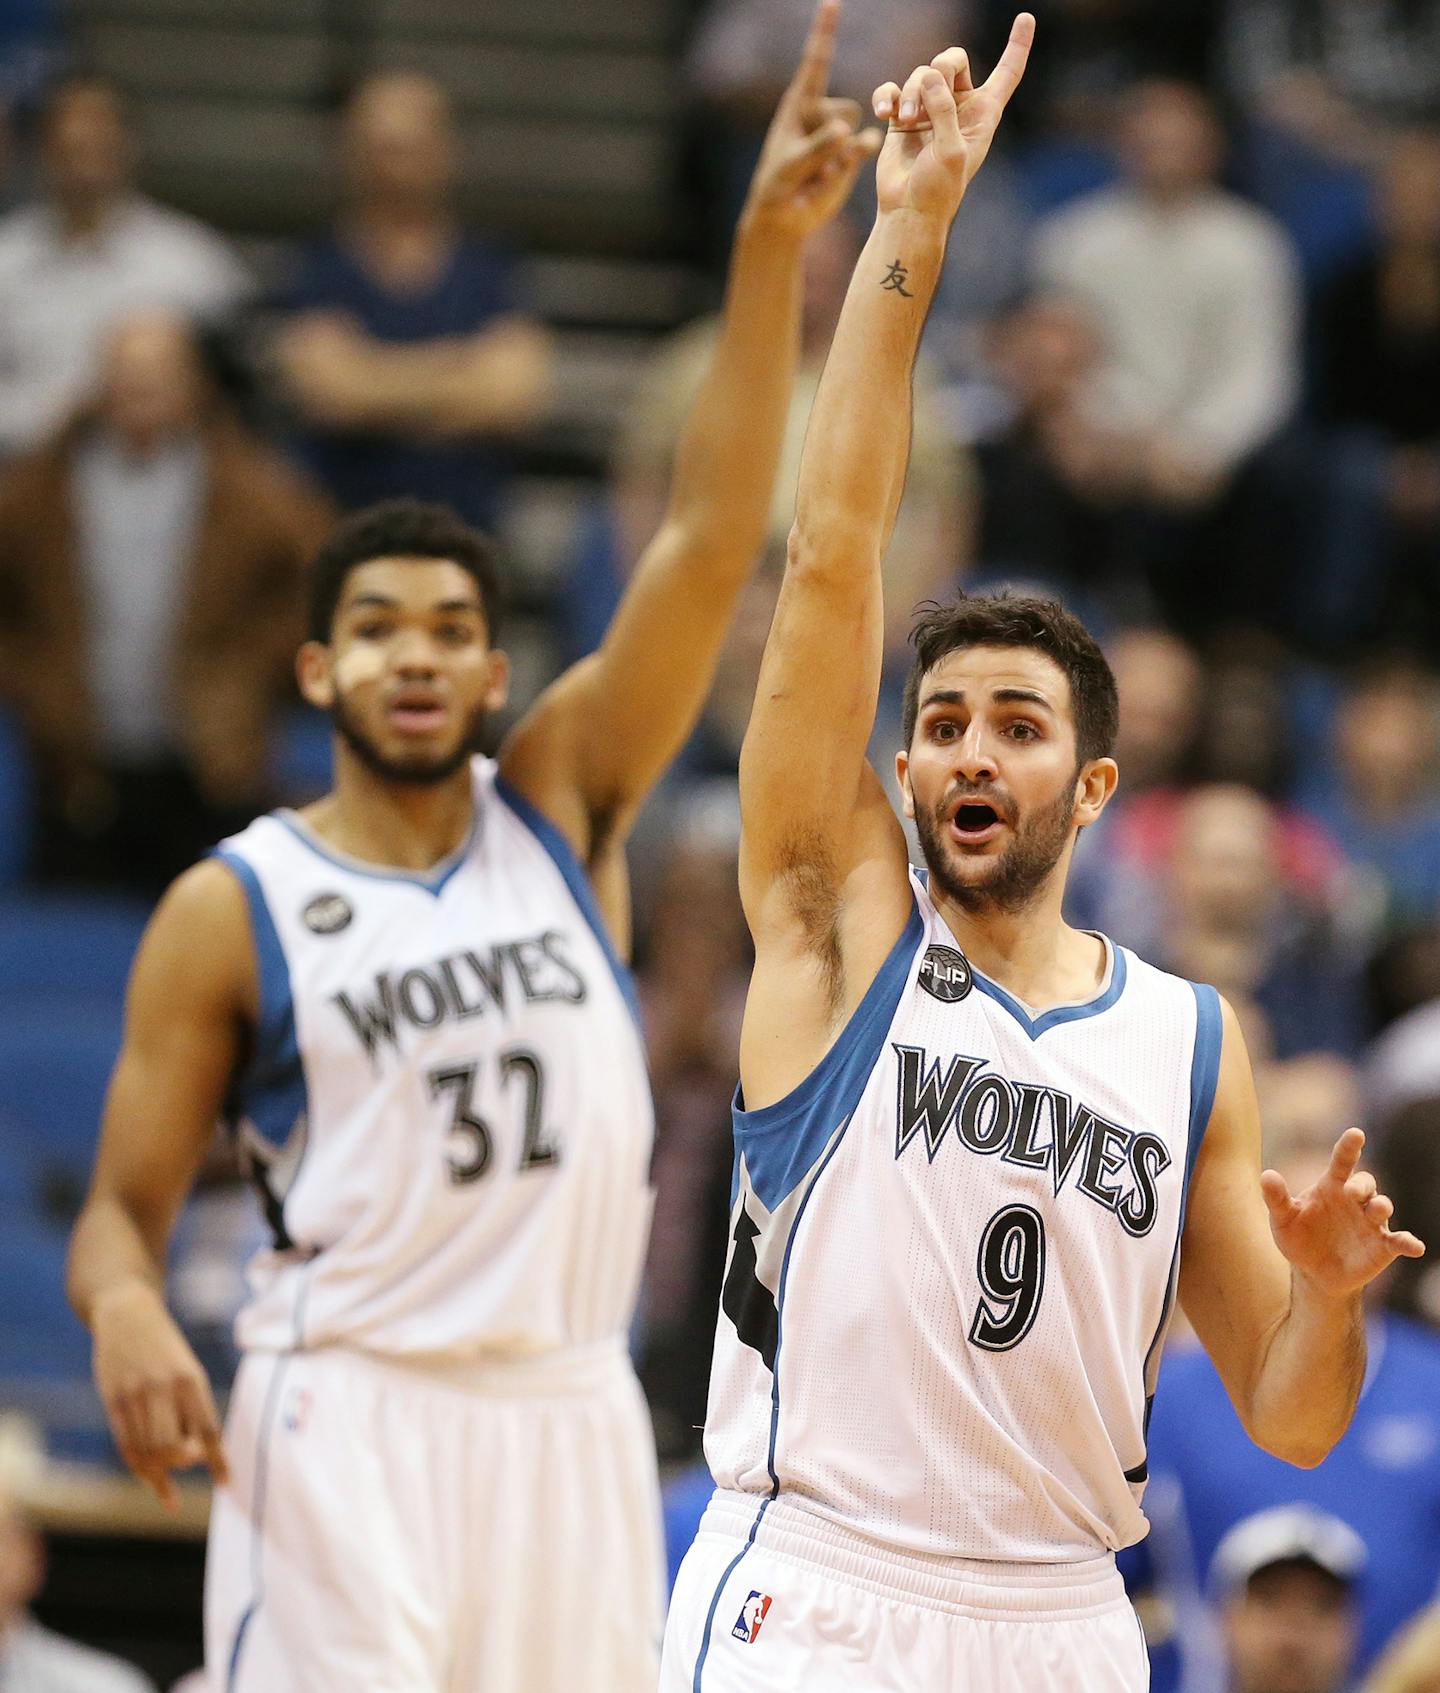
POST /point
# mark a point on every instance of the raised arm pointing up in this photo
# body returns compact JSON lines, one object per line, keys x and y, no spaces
{"x":823,"y":857}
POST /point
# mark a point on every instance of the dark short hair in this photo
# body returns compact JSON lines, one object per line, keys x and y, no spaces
{"x":1022,"y":620}
{"x":401,"y":529}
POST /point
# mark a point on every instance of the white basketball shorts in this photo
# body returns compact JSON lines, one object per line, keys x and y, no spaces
{"x":396,"y":1530}
{"x":797,"y":1606}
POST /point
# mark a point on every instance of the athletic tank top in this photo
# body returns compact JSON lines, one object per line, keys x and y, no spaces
{"x":954,"y":1250}
{"x":446,"y":1112}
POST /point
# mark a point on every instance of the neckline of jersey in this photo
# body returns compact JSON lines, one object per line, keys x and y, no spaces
{"x":1035,"y":1023}
{"x":433,"y":881}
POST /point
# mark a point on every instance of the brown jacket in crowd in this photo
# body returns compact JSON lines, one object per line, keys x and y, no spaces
{"x":241,"y":612}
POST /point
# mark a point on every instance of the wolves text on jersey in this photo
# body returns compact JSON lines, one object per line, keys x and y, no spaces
{"x":462,"y":985}
{"x":1032,"y":1126}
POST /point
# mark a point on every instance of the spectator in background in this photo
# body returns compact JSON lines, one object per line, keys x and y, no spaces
{"x":1159,"y":680}
{"x":1285,"y":1580}
{"x":1057,"y":477}
{"x":150,"y":567}
{"x":1380,"y":798}
{"x":1382,"y":1479}
{"x":1377,"y":338}
{"x":1197,"y":296}
{"x":409,"y":354}
{"x":90,"y":252}
{"x":1227,"y":913}
{"x":32,"y":1659}
{"x":694,"y":968}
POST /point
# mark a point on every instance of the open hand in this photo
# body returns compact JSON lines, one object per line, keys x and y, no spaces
{"x":812,"y":152}
{"x":1337,"y":1232}
{"x":941,"y":125}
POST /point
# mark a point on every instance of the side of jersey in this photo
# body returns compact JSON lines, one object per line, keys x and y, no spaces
{"x":954,"y":1251}
{"x":447,"y":1112}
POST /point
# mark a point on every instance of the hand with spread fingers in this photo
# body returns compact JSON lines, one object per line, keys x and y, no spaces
{"x":812,"y":149}
{"x":941,"y":125}
{"x":1337,"y":1232}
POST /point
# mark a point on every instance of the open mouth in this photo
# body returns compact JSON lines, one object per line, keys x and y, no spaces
{"x":416,"y":713}
{"x":975,"y":821}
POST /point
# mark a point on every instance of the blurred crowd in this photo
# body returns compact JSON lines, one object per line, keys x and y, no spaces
{"x":1184,"y":373}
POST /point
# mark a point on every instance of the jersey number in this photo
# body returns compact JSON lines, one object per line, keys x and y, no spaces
{"x":1011,"y":1265}
{"x":470,"y":1140}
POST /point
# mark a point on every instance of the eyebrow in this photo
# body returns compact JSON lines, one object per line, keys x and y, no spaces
{"x":1004,"y":696}
{"x":384,"y":602}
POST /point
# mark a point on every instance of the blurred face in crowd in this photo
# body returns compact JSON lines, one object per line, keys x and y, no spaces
{"x":1158,"y":678}
{"x":1410,"y":188}
{"x":1044,"y":351}
{"x":408,"y":677}
{"x":399,"y":142}
{"x":1224,"y":869}
{"x":1306,"y":1104}
{"x":1170,"y":142}
{"x":22,"y":1564}
{"x":1291,"y":1630}
{"x":1387,"y":741}
{"x":86,"y":148}
{"x":152,"y":384}
{"x":991,"y":774}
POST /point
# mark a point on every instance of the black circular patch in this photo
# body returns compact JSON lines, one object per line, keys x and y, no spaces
{"x":327,"y":914}
{"x":946,"y":974}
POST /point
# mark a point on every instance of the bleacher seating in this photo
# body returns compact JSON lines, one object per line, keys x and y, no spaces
{"x":56,"y":1055}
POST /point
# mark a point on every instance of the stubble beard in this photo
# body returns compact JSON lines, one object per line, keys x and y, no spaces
{"x":408,"y":772}
{"x":1016,"y":876}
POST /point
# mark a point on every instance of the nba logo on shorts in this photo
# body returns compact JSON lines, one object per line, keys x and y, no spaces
{"x":752,"y":1614}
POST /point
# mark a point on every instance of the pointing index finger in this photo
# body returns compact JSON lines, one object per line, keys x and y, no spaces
{"x":812,"y":75}
{"x":1346,"y":1155}
{"x":1005,"y":78}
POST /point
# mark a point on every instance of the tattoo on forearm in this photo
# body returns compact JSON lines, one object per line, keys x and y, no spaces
{"x":895,"y":280}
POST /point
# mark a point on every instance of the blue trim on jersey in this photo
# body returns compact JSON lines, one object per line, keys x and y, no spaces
{"x":272,"y":1090}
{"x":730,"y":1569}
{"x":257,"y":1519}
{"x":1204,"y":1071}
{"x":777,"y":1163}
{"x":1036,"y":1026}
{"x":433,"y":881}
{"x":1204,"y":1076}
{"x":578,"y":883}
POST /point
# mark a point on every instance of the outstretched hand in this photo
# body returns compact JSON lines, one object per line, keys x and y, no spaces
{"x":1337,"y":1232}
{"x":941,"y":125}
{"x":812,"y":150}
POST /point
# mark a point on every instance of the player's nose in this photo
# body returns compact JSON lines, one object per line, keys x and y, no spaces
{"x":974,"y":756}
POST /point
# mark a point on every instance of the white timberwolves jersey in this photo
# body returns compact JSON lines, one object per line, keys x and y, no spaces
{"x":446,"y":1111}
{"x":954,"y":1252}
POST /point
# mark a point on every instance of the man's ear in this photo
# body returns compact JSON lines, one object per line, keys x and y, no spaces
{"x":497,"y":690}
{"x":1093,"y":787}
{"x":314,"y":675}
{"x":902,"y":777}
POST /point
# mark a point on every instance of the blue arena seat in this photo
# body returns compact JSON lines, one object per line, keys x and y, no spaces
{"x":67,"y":944}
{"x":55,"y":1062}
{"x":16,"y":821}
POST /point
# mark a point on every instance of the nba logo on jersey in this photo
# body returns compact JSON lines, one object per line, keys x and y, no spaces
{"x":752,"y":1614}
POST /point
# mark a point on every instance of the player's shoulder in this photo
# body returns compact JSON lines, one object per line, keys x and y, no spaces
{"x":1145,"y":979}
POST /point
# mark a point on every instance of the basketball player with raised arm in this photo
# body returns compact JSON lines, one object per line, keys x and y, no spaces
{"x":437,"y":1474}
{"x":969,"y":1139}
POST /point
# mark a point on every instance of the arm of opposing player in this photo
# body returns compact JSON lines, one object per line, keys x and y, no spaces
{"x":192,"y":992}
{"x":1273,"y":1283}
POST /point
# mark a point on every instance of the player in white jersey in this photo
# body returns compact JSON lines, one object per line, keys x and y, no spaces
{"x":437,"y":1474}
{"x":969,"y":1139}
